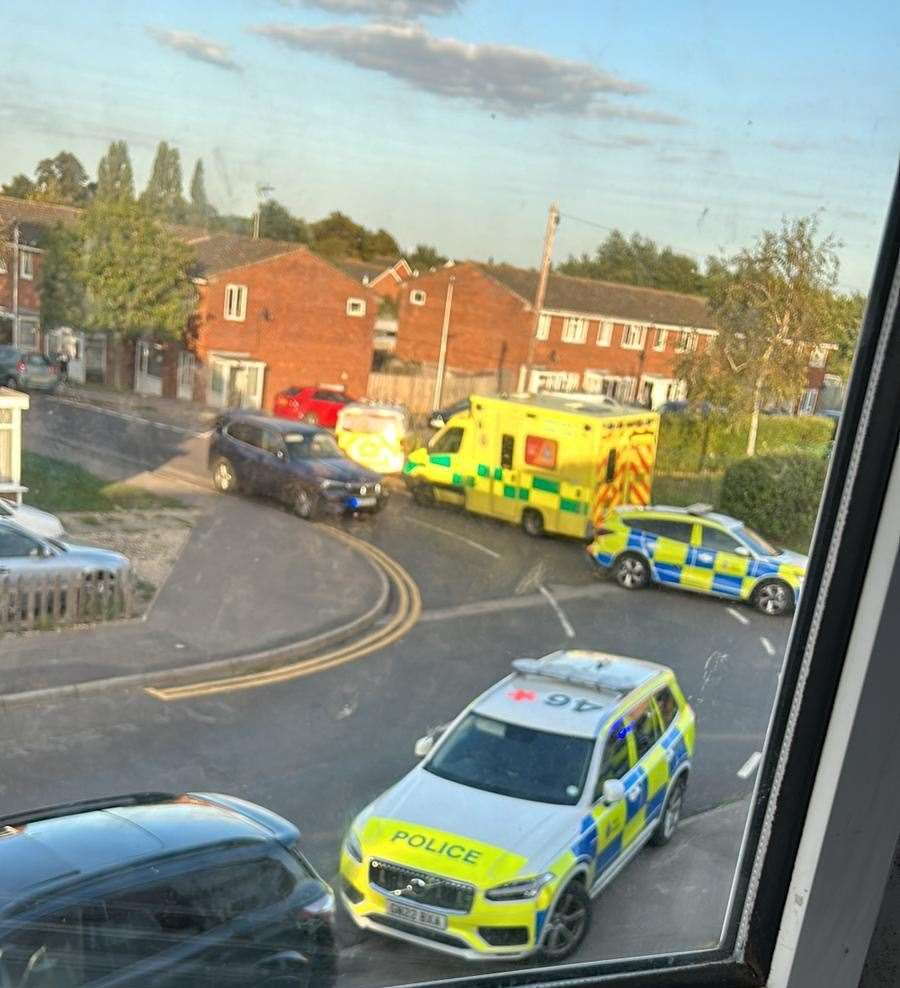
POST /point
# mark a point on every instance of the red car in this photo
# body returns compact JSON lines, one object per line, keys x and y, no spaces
{"x":317,"y":406}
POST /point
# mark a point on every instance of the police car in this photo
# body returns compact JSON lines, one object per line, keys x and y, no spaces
{"x":524,"y":809}
{"x":697,"y":549}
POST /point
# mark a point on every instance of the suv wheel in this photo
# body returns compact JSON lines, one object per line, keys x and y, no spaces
{"x":671,"y":814}
{"x":632,"y":571}
{"x":773,"y":598}
{"x":568,"y":924}
{"x":305,"y":504}
{"x":533,"y":522}
{"x":224,"y":478}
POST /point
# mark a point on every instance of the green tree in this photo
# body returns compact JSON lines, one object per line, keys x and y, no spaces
{"x":379,"y":244}
{"x":230,"y":223}
{"x":638,"y":261}
{"x":201,"y":211}
{"x":850,"y":311}
{"x":61,"y":287}
{"x":772,"y":304}
{"x":19,"y":186}
{"x":163,"y":195}
{"x":338,"y":236}
{"x":425,"y":257}
{"x":277,"y":223}
{"x":115,"y":177}
{"x":62,"y":179}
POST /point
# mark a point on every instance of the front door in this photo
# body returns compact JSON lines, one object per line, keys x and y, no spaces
{"x":727,"y":558}
{"x":649,"y":776}
{"x":505,"y":502}
{"x":187,"y":366}
{"x":148,"y":368}
{"x":609,"y":821}
{"x":445,"y":471}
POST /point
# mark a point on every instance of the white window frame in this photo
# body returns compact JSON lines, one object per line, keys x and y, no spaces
{"x":554,"y":381}
{"x":808,"y":400}
{"x":662,"y":338}
{"x":356,"y":307}
{"x":687,"y":341}
{"x":818,"y":356}
{"x":628,"y":342}
{"x":235,"y":312}
{"x":417,"y":297}
{"x":3,"y":267}
{"x":26,"y":270}
{"x":574,"y":330}
{"x":604,"y":332}
{"x":543,"y":327}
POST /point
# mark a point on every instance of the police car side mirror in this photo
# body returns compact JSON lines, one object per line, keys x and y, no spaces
{"x":613,"y":791}
{"x":423,"y":746}
{"x":742,"y":550}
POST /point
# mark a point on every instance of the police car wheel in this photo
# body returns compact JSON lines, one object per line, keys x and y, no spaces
{"x":568,"y":924}
{"x":671,"y":814}
{"x":304,"y":504}
{"x":632,"y":571}
{"x":773,"y":598}
{"x":533,"y":522}
{"x":224,"y":478}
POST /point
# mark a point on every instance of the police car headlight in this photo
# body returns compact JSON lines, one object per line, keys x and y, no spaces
{"x":522,"y":888}
{"x":352,"y":846}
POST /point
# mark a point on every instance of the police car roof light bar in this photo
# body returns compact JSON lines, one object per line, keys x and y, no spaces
{"x":563,"y":673}
{"x":699,"y":509}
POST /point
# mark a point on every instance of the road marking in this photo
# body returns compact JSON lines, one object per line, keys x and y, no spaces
{"x":738,"y":616}
{"x":767,"y":645}
{"x":749,"y":766}
{"x":478,"y":607}
{"x":128,"y":417}
{"x":459,"y":538}
{"x":560,"y":613}
{"x":409,"y":607}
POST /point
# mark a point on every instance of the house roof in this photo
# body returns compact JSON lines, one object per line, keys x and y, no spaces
{"x":219,"y":252}
{"x":365,"y":269}
{"x":605,"y":298}
{"x":35,"y":218}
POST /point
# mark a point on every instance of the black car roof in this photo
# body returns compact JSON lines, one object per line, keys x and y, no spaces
{"x":271,"y":422}
{"x":62,"y":844}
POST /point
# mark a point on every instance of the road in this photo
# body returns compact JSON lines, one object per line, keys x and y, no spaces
{"x":320,"y":748}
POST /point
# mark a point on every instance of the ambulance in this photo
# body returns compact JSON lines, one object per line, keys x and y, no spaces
{"x":550,"y":463}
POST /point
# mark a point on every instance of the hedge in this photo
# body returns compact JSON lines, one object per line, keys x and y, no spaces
{"x":778,"y":495}
{"x":693,"y":444}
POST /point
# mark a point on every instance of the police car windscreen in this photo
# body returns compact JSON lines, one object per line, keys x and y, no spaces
{"x":514,"y":761}
{"x":756,"y":542}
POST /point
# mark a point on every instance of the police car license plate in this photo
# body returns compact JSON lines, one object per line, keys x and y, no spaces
{"x":364,"y":502}
{"x":422,"y":917}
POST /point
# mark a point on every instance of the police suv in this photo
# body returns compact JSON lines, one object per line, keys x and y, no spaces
{"x":524,"y":809}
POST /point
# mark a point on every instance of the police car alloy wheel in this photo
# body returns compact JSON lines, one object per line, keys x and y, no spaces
{"x":568,"y":923}
{"x":632,"y":571}
{"x":224,"y":476}
{"x":772,"y":598}
{"x":671,"y":814}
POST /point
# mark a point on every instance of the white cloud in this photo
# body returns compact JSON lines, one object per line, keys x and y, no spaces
{"x":196,"y":47}
{"x":794,"y":146}
{"x":610,"y":142}
{"x":383,"y":9}
{"x":518,"y":82}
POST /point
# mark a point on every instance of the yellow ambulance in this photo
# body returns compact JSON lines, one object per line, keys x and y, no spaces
{"x":551,"y":463}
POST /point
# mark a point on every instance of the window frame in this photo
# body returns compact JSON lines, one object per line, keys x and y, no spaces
{"x":418,"y":296}
{"x":353,"y":302}
{"x":605,"y":332}
{"x":544,"y":325}
{"x":26,"y":256}
{"x":661,"y":341}
{"x":574,"y":330}
{"x":687,"y":341}
{"x":627,"y":330}
{"x":238,"y":314}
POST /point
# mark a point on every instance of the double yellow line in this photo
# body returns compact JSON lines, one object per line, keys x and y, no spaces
{"x":407,"y":611}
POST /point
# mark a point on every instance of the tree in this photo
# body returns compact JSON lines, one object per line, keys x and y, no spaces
{"x":379,"y":244}
{"x":638,"y":261}
{"x":338,"y":236}
{"x":163,"y":195}
{"x":200,"y":211}
{"x":277,"y":223}
{"x":772,"y":304}
{"x":61,"y":179}
{"x":425,"y":257}
{"x":115,"y":178}
{"x":20,"y":186}
{"x":61,"y":287}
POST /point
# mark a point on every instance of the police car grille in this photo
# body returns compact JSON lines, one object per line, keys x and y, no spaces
{"x":404,"y":883}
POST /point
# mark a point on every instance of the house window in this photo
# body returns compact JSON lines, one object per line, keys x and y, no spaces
{"x":574,"y":330}
{"x":543,"y":328}
{"x":808,"y":401}
{"x":26,"y":265}
{"x":417,"y":296}
{"x":2,"y":264}
{"x":555,"y":381}
{"x":687,"y":342}
{"x":661,"y":337}
{"x":356,"y":307}
{"x":236,"y":302}
{"x":604,"y":333}
{"x":633,"y":337}
{"x":610,"y":385}
{"x":818,"y":356}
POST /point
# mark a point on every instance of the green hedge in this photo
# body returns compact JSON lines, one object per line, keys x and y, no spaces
{"x":778,"y":495}
{"x":693,"y":444}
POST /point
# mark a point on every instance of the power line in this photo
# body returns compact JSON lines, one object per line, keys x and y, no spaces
{"x":610,"y":229}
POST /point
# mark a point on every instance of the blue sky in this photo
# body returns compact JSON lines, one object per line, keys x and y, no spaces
{"x":457,"y":122}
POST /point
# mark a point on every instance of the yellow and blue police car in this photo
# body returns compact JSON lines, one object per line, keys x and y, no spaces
{"x":524,"y":809}
{"x":697,"y":549}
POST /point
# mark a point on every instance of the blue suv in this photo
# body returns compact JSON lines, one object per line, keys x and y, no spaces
{"x":300,"y":465}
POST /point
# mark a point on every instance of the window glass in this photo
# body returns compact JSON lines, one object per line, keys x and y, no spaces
{"x":680,"y":531}
{"x":644,"y":725}
{"x":273,"y":442}
{"x":761,"y":546}
{"x":667,"y":706}
{"x":543,"y":327}
{"x":311,"y":446}
{"x":716,"y":539}
{"x":616,"y":760}
{"x":15,"y":544}
{"x":448,"y":442}
{"x":507,"y":447}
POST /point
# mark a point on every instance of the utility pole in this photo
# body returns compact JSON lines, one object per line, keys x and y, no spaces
{"x":261,"y":190}
{"x":549,"y":236}
{"x":442,"y":353}
{"x":16,"y":262}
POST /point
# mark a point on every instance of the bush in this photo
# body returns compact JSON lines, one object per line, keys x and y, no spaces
{"x":778,"y":495}
{"x":693,"y":444}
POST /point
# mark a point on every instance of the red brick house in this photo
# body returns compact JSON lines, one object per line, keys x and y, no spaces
{"x":382,"y":276}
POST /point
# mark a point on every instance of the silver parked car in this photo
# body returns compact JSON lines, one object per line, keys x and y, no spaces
{"x":22,"y":553}
{"x":32,"y":519}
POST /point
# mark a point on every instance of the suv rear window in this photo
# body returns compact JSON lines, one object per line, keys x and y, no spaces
{"x":680,"y":531}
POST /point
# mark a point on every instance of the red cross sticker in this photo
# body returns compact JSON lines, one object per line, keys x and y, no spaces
{"x":520,"y":694}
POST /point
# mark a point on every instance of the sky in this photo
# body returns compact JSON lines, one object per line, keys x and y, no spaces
{"x":457,"y":122}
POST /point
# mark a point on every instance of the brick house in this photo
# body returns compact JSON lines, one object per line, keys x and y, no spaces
{"x":381,"y":275}
{"x":592,"y":336}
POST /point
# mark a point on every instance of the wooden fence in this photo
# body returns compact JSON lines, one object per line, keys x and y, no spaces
{"x":416,"y":391}
{"x":48,"y":601}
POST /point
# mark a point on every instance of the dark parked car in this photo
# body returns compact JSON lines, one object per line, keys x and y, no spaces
{"x":170,"y":891}
{"x":27,"y":371}
{"x":299,"y":465}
